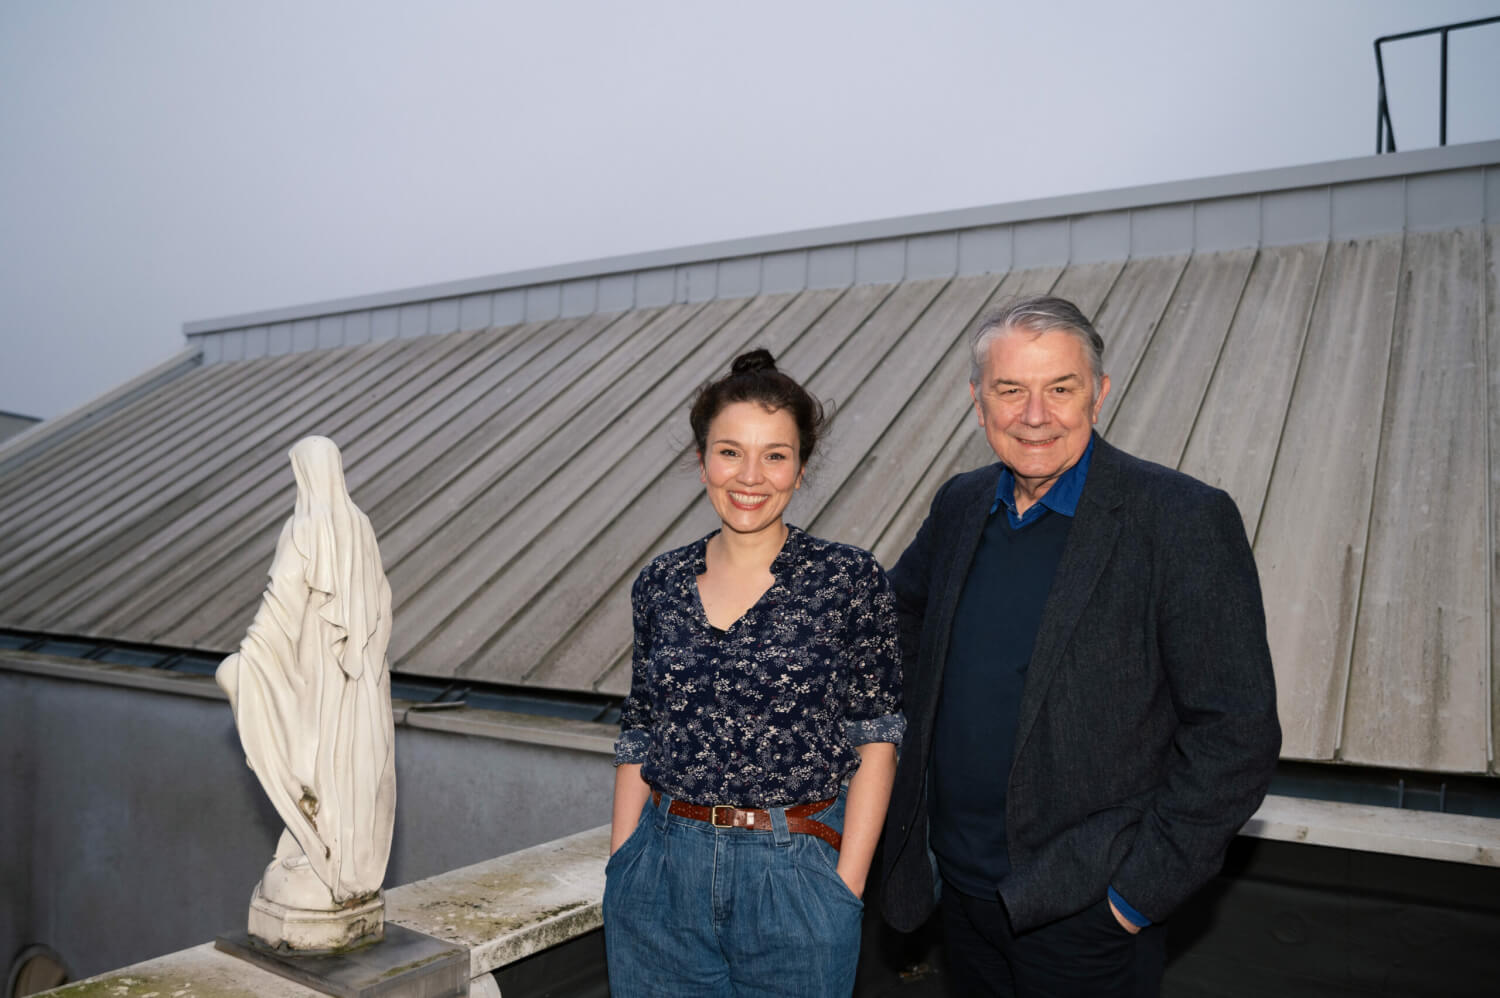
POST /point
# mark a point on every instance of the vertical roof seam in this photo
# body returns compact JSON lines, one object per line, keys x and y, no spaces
{"x":656,"y":546}
{"x":1486,"y":374}
{"x":497,"y":571}
{"x":1346,"y":654}
{"x":1307,"y":323}
{"x":1213,"y":371}
{"x":1146,"y":345}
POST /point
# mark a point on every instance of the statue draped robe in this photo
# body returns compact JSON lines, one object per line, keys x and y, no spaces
{"x":310,"y":690}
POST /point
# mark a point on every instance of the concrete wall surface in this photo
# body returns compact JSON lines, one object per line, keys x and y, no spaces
{"x":131,"y":827}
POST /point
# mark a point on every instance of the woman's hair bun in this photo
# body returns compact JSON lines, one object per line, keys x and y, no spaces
{"x":754,"y":360}
{"x":753,"y":377}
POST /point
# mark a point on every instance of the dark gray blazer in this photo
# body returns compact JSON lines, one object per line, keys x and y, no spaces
{"x":1147,"y":732}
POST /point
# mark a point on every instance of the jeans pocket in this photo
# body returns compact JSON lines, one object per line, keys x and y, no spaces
{"x":823,"y":859}
{"x":633,"y":840}
{"x":824,"y":856}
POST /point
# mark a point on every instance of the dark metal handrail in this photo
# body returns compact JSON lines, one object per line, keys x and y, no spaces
{"x":1385,"y":135}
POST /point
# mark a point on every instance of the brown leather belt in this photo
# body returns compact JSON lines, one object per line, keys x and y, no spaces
{"x":726,"y":816}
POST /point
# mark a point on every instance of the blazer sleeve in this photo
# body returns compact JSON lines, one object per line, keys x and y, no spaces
{"x":1212,"y":641}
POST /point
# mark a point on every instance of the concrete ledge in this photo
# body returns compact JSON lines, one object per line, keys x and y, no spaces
{"x":510,"y":907}
{"x":557,"y":732}
{"x":500,"y":910}
{"x":1452,"y":838}
{"x":109,"y":674}
{"x":200,"y":972}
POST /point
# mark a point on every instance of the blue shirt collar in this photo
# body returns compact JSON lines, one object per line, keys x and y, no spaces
{"x":1062,"y":497}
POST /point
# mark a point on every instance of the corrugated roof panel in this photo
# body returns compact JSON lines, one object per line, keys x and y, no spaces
{"x":866,"y":412}
{"x":227,"y":448}
{"x":821,"y":317}
{"x":1161,"y":400}
{"x":1088,"y":284}
{"x":884,"y":478}
{"x":1312,"y":552}
{"x":51,"y":502}
{"x":156,"y":412}
{"x":1239,"y":424}
{"x":579,"y":624}
{"x":598,"y":460}
{"x":424,"y":502}
{"x":1128,"y":319}
{"x":221,"y":552}
{"x":477,"y":414}
{"x":937,"y":425}
{"x":1421,"y":652}
{"x":519,"y":364}
{"x":1492,"y":343}
{"x":181,"y":530}
{"x":619,"y":465}
{"x":488,"y":398}
{"x":664,"y":456}
{"x":517,"y":478}
{"x":197,"y":456}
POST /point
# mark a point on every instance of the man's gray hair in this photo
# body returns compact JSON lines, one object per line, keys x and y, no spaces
{"x":1037,"y":314}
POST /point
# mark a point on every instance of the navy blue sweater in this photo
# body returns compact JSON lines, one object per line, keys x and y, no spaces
{"x":994,"y":630}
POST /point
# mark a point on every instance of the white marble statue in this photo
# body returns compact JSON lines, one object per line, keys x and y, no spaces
{"x":311,"y":694}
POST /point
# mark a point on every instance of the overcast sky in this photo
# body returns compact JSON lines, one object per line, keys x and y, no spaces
{"x":163,"y":161}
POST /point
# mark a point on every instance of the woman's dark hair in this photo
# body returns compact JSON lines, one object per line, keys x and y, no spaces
{"x":753,"y":377}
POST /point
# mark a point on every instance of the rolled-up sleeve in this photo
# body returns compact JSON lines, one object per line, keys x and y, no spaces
{"x":635,"y":713}
{"x":873,"y":656}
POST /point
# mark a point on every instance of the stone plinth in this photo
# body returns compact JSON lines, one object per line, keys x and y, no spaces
{"x":405,"y":964}
{"x":299,"y":929}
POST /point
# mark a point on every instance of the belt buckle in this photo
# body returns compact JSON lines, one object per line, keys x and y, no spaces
{"x":727,"y":822}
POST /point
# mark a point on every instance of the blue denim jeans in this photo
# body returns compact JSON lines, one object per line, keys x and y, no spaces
{"x":694,"y":910}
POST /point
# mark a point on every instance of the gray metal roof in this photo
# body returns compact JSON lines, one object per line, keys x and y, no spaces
{"x":1341,"y":388}
{"x":13,"y":423}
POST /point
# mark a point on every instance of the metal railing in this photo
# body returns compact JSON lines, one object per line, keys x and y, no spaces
{"x":1385,"y":135}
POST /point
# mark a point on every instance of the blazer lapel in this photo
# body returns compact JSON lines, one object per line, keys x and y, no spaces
{"x":1091,"y":543}
{"x":975,"y":506}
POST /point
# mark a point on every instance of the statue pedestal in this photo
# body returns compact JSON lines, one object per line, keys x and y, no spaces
{"x":405,"y":964}
{"x":302,"y":930}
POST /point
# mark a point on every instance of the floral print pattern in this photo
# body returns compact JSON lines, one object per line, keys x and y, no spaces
{"x":767,"y":713}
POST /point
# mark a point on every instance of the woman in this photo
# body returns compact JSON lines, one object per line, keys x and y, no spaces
{"x":758,"y":742}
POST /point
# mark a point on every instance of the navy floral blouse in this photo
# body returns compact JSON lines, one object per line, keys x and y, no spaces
{"x":767,"y":713}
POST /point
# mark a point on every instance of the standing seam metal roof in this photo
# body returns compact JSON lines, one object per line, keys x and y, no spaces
{"x":1341,"y":389}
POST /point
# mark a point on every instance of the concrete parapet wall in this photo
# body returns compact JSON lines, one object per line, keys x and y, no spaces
{"x":131,"y":827}
{"x":502,"y":910}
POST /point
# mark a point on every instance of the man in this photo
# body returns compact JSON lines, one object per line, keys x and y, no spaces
{"x":1089,"y":695}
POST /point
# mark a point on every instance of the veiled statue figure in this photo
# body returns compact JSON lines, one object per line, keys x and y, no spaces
{"x":311,"y":694}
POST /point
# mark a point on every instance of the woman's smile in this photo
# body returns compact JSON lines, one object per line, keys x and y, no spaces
{"x":750,"y":466}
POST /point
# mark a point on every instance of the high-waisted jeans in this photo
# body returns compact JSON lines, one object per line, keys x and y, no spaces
{"x":694,"y":910}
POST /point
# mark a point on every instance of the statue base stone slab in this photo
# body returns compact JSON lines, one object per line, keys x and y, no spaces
{"x":405,"y":964}
{"x":304,"y":930}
